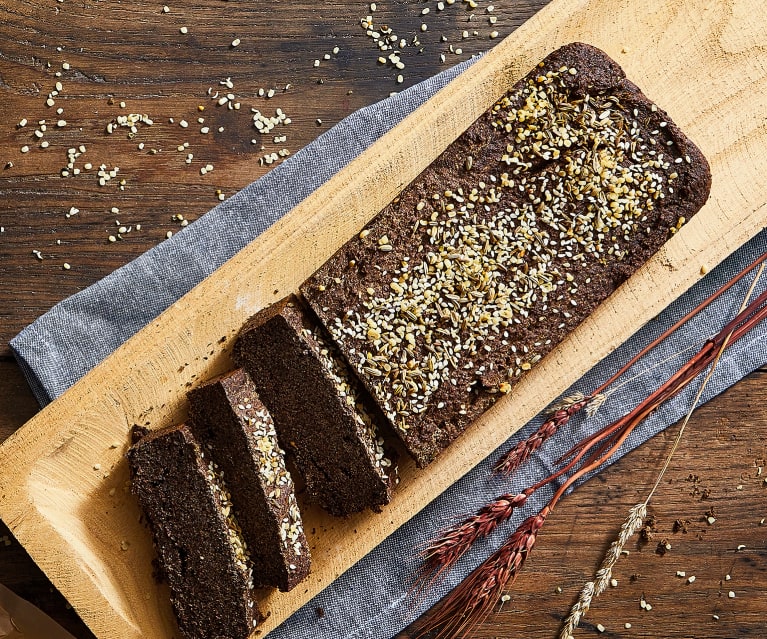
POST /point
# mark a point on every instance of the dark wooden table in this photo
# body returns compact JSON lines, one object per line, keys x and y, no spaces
{"x":61,"y":233}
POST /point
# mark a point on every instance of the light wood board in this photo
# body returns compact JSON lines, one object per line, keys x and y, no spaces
{"x":704,"y":62}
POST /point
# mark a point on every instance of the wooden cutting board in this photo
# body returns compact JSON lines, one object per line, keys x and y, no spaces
{"x":63,"y":488}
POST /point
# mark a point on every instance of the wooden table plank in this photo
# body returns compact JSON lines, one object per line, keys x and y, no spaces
{"x":133,"y":53}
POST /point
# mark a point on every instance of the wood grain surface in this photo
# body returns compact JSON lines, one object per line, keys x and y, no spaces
{"x":129,"y":54}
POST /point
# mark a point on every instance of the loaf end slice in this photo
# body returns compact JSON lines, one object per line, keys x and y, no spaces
{"x":200,"y":551}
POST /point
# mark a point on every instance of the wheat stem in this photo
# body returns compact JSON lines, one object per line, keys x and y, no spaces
{"x":638,"y":512}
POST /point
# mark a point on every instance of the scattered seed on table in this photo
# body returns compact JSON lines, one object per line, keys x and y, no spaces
{"x":66,"y":266}
{"x":184,"y":30}
{"x":236,"y":42}
{"x":731,"y":594}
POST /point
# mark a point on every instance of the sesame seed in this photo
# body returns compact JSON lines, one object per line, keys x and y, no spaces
{"x":236,"y":42}
{"x":184,"y":30}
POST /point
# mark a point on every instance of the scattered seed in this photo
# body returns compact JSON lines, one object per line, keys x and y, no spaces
{"x":731,"y":594}
{"x":96,"y":466}
{"x":184,"y":30}
{"x":600,"y":627}
{"x":493,"y":35}
{"x":691,"y":579}
{"x":66,"y":266}
{"x":236,"y":42}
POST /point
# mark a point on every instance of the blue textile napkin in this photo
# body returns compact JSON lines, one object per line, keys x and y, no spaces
{"x":65,"y":343}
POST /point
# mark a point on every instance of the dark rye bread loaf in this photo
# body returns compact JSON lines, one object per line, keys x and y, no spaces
{"x":235,"y":429}
{"x":318,"y":409}
{"x":199,"y":548}
{"x":507,"y":242}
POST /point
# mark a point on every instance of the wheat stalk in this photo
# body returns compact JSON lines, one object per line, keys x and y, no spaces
{"x":560,"y":415}
{"x":638,"y":512}
{"x":474,"y":598}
